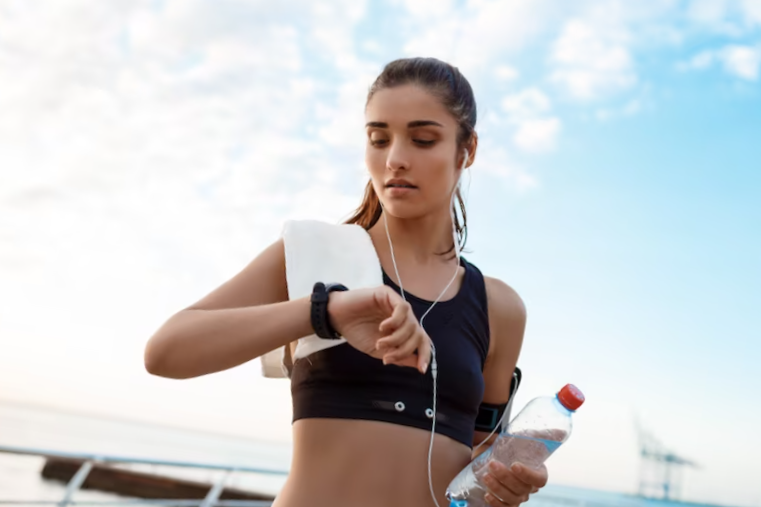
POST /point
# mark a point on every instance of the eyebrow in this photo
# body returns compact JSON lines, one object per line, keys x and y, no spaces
{"x":410,"y":125}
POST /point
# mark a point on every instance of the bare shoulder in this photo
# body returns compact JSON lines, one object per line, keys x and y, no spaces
{"x":504,"y":302}
{"x":507,"y":318}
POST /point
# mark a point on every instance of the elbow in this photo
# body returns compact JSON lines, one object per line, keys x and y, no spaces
{"x":155,"y":360}
{"x":160,"y":356}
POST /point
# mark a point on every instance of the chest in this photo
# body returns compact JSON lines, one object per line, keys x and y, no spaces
{"x":461,"y":344}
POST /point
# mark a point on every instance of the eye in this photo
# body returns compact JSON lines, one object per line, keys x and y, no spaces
{"x":424,"y":142}
{"x":378,"y":142}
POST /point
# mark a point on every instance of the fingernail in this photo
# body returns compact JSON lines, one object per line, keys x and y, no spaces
{"x":517,"y":468}
{"x":493,"y":466}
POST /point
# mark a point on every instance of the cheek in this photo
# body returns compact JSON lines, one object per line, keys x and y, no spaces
{"x":439,"y":172}
{"x":374,"y":160}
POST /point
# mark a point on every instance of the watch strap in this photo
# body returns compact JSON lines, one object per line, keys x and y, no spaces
{"x":319,"y":309}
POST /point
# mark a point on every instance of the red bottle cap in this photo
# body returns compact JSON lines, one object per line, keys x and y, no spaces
{"x":571,"y":397}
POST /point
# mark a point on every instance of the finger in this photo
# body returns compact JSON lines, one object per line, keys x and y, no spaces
{"x":386,"y":299}
{"x":410,"y":361}
{"x":496,"y":502}
{"x":503,"y":494}
{"x":420,"y":361}
{"x":398,"y":337}
{"x":533,"y":477}
{"x":424,"y":354}
{"x":398,"y":317}
{"x":404,"y":349}
{"x":505,"y":485}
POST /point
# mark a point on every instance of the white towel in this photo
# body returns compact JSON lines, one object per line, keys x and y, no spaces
{"x":321,"y":252}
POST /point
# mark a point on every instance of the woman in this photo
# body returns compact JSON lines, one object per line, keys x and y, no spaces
{"x":353,"y":444}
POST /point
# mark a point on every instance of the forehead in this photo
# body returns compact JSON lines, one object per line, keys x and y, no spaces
{"x":402,"y":104}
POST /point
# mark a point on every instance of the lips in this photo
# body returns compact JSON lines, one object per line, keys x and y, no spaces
{"x":399,"y":183}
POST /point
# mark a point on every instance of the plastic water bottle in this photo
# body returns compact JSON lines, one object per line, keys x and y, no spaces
{"x":530,"y":438}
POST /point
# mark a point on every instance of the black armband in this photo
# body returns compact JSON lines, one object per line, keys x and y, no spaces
{"x":489,"y":415}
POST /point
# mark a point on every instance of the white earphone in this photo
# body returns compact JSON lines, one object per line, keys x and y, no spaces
{"x":434,"y":366}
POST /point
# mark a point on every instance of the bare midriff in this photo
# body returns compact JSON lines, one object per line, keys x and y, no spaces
{"x":352,"y":463}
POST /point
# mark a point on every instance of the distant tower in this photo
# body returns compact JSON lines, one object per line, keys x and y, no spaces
{"x":660,"y":469}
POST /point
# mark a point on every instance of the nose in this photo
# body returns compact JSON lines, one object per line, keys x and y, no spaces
{"x":397,"y":158}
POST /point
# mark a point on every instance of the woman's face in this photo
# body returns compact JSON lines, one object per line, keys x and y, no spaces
{"x":411,"y":151}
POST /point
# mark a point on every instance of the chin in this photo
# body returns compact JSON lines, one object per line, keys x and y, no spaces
{"x":404,"y":210}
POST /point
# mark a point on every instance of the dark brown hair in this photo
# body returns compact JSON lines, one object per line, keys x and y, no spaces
{"x":446,"y":83}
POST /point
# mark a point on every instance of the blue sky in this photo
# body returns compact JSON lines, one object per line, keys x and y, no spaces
{"x":149,"y":149}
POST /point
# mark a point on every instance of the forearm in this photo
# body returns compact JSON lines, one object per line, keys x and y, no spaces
{"x":198,"y":342}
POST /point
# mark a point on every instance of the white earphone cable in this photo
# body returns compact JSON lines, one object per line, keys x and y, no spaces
{"x":434,"y":365}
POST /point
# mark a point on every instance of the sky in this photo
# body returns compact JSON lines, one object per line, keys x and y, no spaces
{"x":150,"y":149}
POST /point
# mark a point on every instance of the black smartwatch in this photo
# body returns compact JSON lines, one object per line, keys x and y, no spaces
{"x":319,"y":299}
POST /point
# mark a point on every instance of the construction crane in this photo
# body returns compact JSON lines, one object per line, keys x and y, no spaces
{"x":660,"y":469}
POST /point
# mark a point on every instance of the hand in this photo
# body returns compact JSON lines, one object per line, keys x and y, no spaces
{"x":514,"y":485}
{"x":381,"y":324}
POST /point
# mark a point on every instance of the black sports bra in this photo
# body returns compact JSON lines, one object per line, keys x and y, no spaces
{"x":342,"y":382}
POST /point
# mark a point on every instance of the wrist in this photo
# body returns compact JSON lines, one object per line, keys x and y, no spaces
{"x":331,"y":305}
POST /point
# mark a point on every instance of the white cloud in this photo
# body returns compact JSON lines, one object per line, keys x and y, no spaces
{"x":726,"y":17}
{"x":589,"y":63}
{"x":631,"y":108}
{"x":479,"y":33}
{"x":537,"y":135}
{"x":528,"y":103}
{"x":428,"y":8}
{"x":743,"y":62}
{"x":497,"y":162}
{"x":527,"y":110}
{"x":506,"y":73}
{"x":701,"y":60}
{"x":714,"y":14}
{"x":752,"y":11}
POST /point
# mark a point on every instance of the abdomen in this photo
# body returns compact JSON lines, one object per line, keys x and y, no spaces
{"x":345,"y":463}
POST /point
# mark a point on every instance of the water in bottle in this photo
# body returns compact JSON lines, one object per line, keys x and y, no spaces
{"x":530,"y":438}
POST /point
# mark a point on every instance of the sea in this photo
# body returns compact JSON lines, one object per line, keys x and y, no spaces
{"x":37,"y":427}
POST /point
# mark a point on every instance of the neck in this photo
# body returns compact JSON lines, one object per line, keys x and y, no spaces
{"x":416,"y":240}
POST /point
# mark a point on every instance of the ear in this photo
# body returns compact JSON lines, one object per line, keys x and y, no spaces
{"x":472,"y":147}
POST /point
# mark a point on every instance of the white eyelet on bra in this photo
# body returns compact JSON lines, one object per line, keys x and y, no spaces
{"x":429,"y":413}
{"x":399,"y":406}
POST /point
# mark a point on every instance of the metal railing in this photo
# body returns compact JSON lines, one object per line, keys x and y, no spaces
{"x":90,"y":460}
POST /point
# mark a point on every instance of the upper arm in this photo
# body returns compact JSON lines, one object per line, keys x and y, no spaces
{"x":261,"y":282}
{"x":507,"y":322}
